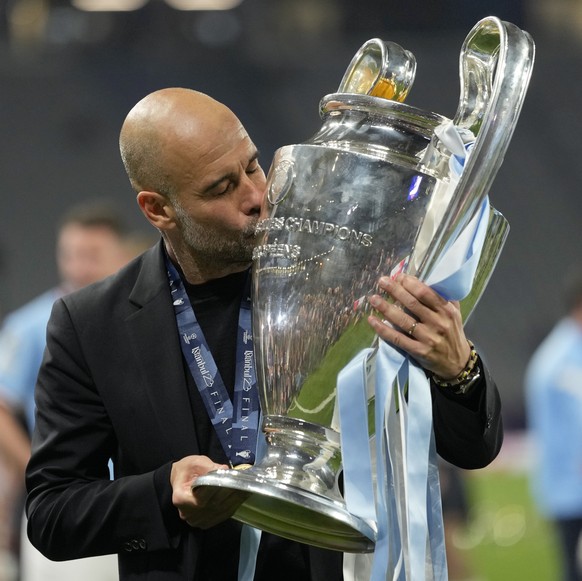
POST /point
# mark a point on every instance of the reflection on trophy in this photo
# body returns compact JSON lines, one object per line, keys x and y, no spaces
{"x":346,"y":206}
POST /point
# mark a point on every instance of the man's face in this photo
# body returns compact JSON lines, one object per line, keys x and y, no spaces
{"x":219,"y":200}
{"x":86,"y":254}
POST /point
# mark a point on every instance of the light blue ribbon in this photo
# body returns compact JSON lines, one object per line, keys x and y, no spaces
{"x":405,"y":497}
{"x":354,"y":404}
{"x":250,"y":537}
{"x":453,"y":276}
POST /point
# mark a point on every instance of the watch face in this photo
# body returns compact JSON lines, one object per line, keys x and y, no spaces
{"x":464,"y":387}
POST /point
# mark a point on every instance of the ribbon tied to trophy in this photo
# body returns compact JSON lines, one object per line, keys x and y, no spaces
{"x":399,"y":491}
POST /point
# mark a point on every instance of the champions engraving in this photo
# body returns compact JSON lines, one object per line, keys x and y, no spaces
{"x":276,"y":250}
{"x":316,"y":227}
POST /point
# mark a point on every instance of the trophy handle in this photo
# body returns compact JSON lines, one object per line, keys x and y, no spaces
{"x":380,"y":68}
{"x":495,"y":67}
{"x":497,"y":231}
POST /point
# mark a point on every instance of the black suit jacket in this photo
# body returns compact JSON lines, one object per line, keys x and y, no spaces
{"x":112,"y":385}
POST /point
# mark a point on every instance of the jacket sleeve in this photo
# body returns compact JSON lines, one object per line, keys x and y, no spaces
{"x":468,"y":428}
{"x":74,"y":509}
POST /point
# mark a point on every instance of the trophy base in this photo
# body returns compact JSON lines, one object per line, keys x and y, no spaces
{"x":293,"y":513}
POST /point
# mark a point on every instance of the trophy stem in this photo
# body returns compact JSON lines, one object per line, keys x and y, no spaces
{"x":293,"y":491}
{"x":302,"y":454}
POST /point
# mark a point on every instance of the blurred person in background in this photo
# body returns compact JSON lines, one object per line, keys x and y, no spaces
{"x":92,"y":242}
{"x":553,"y":386}
{"x":7,"y":488}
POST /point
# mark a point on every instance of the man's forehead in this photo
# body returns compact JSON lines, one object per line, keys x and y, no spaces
{"x":229,"y":164}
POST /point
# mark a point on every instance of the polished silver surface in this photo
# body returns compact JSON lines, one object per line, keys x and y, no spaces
{"x":343,"y":208}
{"x":497,"y":232}
{"x":381,"y":69}
{"x":496,"y":63}
{"x":295,"y":513}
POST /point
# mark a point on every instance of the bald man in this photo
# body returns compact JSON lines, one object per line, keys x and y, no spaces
{"x":120,"y":381}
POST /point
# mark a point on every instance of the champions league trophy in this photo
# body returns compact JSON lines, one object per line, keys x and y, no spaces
{"x":372,"y":192}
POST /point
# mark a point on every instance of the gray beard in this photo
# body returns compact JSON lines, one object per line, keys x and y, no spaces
{"x":212,"y":248}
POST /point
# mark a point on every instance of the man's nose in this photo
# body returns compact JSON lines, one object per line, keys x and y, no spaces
{"x":254,"y":194}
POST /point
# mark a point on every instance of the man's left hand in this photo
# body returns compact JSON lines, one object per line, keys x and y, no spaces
{"x":422,"y":323}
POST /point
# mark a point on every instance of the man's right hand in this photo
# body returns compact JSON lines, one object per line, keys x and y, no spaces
{"x":206,"y":506}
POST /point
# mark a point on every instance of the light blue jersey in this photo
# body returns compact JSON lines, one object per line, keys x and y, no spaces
{"x":554,"y":404}
{"x":22,"y":344}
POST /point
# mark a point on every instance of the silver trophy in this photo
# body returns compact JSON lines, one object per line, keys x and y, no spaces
{"x":344,"y":207}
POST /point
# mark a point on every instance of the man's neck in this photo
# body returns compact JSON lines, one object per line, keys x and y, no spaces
{"x":197,"y":271}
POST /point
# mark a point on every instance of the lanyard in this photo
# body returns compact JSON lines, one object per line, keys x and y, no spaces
{"x":236,"y":423}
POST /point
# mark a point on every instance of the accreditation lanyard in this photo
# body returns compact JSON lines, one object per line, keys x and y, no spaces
{"x":236,"y":423}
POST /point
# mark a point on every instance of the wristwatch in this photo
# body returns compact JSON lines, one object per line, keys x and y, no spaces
{"x":468,"y":377}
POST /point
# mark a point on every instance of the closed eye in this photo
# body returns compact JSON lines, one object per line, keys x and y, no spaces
{"x":228,"y":182}
{"x":229,"y":186}
{"x":253,"y":164}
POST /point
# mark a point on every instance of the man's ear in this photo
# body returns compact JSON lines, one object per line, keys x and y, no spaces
{"x":157,"y":209}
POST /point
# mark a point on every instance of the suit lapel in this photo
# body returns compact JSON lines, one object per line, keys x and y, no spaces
{"x":154,"y":335}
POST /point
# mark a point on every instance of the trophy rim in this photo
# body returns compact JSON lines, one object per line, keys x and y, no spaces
{"x":293,"y":513}
{"x":424,"y":120}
